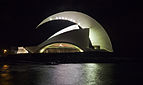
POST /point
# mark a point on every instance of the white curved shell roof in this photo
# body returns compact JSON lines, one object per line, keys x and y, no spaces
{"x":97,"y":34}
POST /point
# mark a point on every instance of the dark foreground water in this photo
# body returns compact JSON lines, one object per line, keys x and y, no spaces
{"x":72,"y":74}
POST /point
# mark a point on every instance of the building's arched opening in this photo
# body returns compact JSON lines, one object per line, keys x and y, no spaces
{"x":60,"y":48}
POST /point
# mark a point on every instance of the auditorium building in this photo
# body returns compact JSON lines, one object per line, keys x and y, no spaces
{"x":70,"y":31}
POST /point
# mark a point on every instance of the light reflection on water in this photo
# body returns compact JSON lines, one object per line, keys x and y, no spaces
{"x":98,"y":74}
{"x":62,"y":74}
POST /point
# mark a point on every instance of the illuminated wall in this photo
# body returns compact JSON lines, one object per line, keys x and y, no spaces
{"x":21,"y":50}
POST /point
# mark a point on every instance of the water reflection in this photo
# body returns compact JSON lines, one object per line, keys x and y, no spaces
{"x":67,"y":74}
{"x":5,"y":76}
{"x":62,"y":74}
{"x":91,"y":74}
{"x":98,"y":74}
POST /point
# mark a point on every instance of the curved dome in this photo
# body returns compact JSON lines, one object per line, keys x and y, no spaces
{"x":97,"y":34}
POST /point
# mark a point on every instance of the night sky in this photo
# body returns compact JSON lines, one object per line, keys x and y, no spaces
{"x":122,"y":19}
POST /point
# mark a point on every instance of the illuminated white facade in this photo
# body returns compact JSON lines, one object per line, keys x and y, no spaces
{"x":21,"y":50}
{"x":97,"y":34}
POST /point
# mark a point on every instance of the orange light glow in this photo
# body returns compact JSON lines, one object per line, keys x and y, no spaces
{"x":5,"y":66}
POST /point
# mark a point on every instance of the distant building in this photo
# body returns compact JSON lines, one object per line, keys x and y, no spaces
{"x":71,"y":31}
{"x":21,"y":50}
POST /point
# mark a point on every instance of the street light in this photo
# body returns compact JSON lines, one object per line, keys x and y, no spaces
{"x":4,"y":51}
